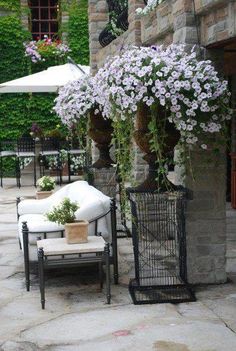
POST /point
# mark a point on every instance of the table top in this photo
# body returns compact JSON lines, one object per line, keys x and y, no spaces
{"x":59,"y":246}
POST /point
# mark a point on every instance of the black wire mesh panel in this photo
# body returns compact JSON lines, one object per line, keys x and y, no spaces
{"x":159,"y":243}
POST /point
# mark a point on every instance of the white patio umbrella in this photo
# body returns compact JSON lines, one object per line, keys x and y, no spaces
{"x":48,"y":81}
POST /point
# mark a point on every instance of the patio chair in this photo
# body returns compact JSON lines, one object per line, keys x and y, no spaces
{"x":95,"y":207}
{"x":76,"y":155}
{"x":7,"y":150}
{"x":50,"y":148}
{"x":25,"y":153}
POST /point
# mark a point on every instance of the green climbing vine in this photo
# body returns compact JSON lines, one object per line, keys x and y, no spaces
{"x":19,"y":111}
{"x":78,"y":37}
{"x":11,"y":5}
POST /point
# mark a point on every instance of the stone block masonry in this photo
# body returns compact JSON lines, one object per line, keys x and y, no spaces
{"x":206,"y":218}
{"x":177,"y":21}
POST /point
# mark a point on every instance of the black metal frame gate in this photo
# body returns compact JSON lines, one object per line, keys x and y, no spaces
{"x":159,"y":244}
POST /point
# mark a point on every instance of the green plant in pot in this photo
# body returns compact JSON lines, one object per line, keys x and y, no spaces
{"x":46,"y":185}
{"x":76,"y":232}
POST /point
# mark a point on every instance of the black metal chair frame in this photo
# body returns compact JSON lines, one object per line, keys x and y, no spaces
{"x":50,"y":147}
{"x":7,"y":149}
{"x":73,"y":153}
{"x":25,"y":148}
{"x":113,"y":258}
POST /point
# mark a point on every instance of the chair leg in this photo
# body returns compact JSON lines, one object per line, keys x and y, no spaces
{"x":18,"y":172}
{"x":41,"y":276}
{"x":114,"y":240}
{"x":108,"y":285}
{"x":25,"y":233}
{"x":1,"y":170}
{"x":100,"y":274}
{"x":69,"y":170}
{"x":35,"y":176}
{"x":40,"y":166}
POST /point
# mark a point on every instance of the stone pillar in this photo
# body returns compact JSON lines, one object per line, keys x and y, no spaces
{"x":24,"y":13}
{"x":105,"y":181}
{"x":184,"y":23}
{"x":206,"y":217}
{"x":233,"y":126}
{"x":140,"y":167}
{"x":134,"y":31}
{"x":98,"y":18}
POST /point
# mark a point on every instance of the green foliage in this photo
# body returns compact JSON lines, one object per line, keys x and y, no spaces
{"x":13,"y":5}
{"x":78,"y":37}
{"x":39,"y":109}
{"x":63,"y":213}
{"x":122,"y":140}
{"x":13,"y":63}
{"x":19,"y":111}
{"x":46,"y":183}
{"x":49,"y":55}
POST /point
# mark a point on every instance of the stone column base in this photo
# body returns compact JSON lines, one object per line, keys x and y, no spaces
{"x":105,"y":181}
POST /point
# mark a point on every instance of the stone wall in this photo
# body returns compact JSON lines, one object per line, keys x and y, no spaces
{"x":179,"y":21}
{"x":206,"y":218}
{"x":175,"y":21}
{"x":233,"y":89}
{"x":217,"y":19}
{"x":98,"y":18}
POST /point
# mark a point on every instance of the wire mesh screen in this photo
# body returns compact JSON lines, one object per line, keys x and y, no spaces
{"x":159,"y":242}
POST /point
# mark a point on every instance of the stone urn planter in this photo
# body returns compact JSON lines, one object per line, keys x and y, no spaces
{"x":100,"y":132}
{"x":43,"y":194}
{"x":142,"y":139}
{"x":77,"y":232}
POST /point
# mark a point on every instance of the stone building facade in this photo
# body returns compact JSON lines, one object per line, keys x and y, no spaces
{"x":210,"y":24}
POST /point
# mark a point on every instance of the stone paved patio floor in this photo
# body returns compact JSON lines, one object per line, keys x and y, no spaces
{"x":77,"y":318}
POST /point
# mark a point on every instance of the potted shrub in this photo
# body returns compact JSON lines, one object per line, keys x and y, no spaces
{"x":76,"y":232}
{"x":46,"y":185}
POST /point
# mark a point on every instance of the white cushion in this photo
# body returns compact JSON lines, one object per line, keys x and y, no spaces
{"x":43,"y":205}
{"x":92,"y":203}
{"x":38,"y":223}
{"x":72,"y":191}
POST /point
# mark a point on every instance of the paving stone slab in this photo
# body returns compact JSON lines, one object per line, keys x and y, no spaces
{"x":76,"y":315}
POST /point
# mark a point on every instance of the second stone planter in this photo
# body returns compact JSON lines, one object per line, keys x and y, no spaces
{"x":43,"y":194}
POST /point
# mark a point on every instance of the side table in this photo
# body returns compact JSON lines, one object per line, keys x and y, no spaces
{"x":56,"y":253}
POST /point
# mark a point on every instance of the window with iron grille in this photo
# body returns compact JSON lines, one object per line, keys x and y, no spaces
{"x":44,"y":18}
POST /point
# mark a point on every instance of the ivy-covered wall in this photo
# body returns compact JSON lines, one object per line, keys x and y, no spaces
{"x":19,"y":111}
{"x":13,"y":5}
{"x":78,"y":36}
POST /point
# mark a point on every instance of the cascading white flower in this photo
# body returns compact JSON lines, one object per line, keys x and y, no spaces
{"x":75,"y":100}
{"x":190,"y":90}
{"x":197,"y":100}
{"x":151,"y":4}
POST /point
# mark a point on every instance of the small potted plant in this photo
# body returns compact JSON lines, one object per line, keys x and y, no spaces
{"x":76,"y":232}
{"x":46,"y":185}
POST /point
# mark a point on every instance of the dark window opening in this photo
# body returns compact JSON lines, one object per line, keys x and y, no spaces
{"x":44,"y":18}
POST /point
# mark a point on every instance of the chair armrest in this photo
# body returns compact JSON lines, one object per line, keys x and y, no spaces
{"x":33,"y":206}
